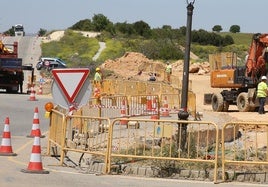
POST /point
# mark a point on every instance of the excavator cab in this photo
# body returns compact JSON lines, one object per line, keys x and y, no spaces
{"x":225,"y":73}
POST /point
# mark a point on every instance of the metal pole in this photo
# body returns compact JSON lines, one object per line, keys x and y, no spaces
{"x":183,"y":114}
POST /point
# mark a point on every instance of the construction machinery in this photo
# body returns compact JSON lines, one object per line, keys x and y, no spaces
{"x":11,"y":68}
{"x":239,"y":82}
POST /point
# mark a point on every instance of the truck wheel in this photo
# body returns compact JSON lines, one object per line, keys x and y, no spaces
{"x":217,"y":102}
{"x":243,"y":103}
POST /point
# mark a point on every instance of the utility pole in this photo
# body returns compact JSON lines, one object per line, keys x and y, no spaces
{"x":183,"y":113}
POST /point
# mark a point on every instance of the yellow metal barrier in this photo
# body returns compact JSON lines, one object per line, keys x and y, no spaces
{"x":83,"y":134}
{"x":166,"y":140}
{"x":244,"y":143}
{"x":173,"y":101}
{"x":56,"y":131}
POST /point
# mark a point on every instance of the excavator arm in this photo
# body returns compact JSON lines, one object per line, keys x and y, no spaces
{"x":256,"y":61}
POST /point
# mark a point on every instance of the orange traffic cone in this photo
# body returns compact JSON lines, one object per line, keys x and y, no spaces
{"x":6,"y":148}
{"x":40,"y":90}
{"x":32,"y":95}
{"x":123,"y":112}
{"x":35,"y":165}
{"x":154,"y":109}
{"x":35,"y":128}
{"x":149,"y":105}
{"x":165,"y":109}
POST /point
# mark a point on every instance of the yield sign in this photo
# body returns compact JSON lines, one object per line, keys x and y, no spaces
{"x":70,"y":81}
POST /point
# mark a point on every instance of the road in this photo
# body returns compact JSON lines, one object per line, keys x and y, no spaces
{"x":20,"y":111}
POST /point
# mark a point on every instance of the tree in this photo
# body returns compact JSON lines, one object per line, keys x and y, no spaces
{"x":142,"y":28}
{"x":217,"y":28}
{"x":100,"y":22}
{"x":42,"y":32}
{"x":125,"y":28}
{"x":234,"y":29}
{"x":83,"y":25}
{"x":10,"y":32}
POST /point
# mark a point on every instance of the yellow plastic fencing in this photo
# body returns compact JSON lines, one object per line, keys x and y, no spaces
{"x":245,"y":145}
{"x":127,"y":87}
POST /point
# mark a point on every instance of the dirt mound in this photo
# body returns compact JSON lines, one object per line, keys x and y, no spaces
{"x":135,"y":66}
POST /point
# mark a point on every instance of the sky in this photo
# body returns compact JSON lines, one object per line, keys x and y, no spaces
{"x":60,"y":14}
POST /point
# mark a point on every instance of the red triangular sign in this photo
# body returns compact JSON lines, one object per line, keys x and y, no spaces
{"x":70,"y":81}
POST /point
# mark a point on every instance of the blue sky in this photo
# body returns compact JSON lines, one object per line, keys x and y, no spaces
{"x":60,"y":14}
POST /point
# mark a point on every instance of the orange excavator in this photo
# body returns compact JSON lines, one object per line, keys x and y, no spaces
{"x":239,"y":83}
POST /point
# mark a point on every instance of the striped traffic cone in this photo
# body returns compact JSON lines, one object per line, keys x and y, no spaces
{"x":123,"y":112}
{"x":35,"y":165}
{"x":165,"y":109}
{"x":32,"y":95}
{"x":40,"y":90}
{"x":154,"y":109}
{"x":6,"y":148}
{"x":35,"y":127}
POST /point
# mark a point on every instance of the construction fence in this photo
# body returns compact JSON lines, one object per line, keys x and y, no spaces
{"x":128,"y":87}
{"x":162,"y":143}
{"x":155,"y":106}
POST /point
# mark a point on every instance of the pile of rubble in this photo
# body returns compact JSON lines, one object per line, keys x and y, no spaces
{"x":136,"y":66}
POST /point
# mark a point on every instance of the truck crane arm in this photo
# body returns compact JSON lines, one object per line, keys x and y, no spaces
{"x":3,"y":49}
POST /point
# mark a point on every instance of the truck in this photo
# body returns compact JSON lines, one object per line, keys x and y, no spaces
{"x":12,"y":68}
{"x":238,"y":83}
{"x":19,"y":30}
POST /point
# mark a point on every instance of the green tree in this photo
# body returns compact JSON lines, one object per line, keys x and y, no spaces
{"x":42,"y":32}
{"x":234,"y":29}
{"x":166,"y":27}
{"x":228,"y":40}
{"x":183,"y":30}
{"x":142,"y":28}
{"x":100,"y":22}
{"x":10,"y":32}
{"x":217,"y":28}
{"x":83,"y":25}
{"x":125,"y":28}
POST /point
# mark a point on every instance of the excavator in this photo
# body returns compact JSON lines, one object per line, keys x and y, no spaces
{"x":238,"y":84}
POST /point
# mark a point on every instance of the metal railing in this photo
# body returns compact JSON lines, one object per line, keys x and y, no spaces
{"x":243,"y":144}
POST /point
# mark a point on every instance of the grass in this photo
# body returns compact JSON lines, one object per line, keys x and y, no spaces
{"x":239,"y":38}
